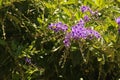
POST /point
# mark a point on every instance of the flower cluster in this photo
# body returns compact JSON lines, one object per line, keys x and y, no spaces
{"x":85,"y":8}
{"x":88,"y":9}
{"x":58,"y":26}
{"x":86,"y":18}
{"x":80,"y":32}
{"x":67,"y":39}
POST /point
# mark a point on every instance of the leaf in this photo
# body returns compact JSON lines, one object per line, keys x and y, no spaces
{"x":99,"y":3}
{"x":99,"y":59}
{"x":88,"y":1}
{"x":67,"y":11}
{"x":40,"y":20}
{"x":77,"y":15}
{"x":118,"y":0}
{"x":69,"y":2}
{"x":10,"y":16}
{"x":0,"y":3}
{"x":48,"y":5}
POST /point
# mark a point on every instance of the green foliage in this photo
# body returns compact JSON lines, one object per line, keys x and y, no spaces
{"x":24,"y":34}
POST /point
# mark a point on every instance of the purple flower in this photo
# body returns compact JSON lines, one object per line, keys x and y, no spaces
{"x":86,"y":18}
{"x":66,"y":42}
{"x":81,"y":23}
{"x":80,"y":32}
{"x":28,"y":60}
{"x":58,"y":26}
{"x":118,"y":20}
{"x":67,"y":39}
{"x":94,"y":33}
{"x":84,"y":8}
{"x":94,"y":12}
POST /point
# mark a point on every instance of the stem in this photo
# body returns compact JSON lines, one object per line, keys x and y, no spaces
{"x":100,"y":69}
{"x":81,"y":51}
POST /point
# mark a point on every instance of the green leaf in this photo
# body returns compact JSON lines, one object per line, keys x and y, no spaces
{"x":69,"y":2}
{"x":77,"y":15}
{"x":88,"y":1}
{"x":48,"y":5}
{"x":10,"y":16}
{"x":40,"y":20}
{"x":99,"y":3}
{"x":67,"y":11}
{"x":0,"y":2}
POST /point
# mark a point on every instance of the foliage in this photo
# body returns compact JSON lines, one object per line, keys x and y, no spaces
{"x":29,"y":50}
